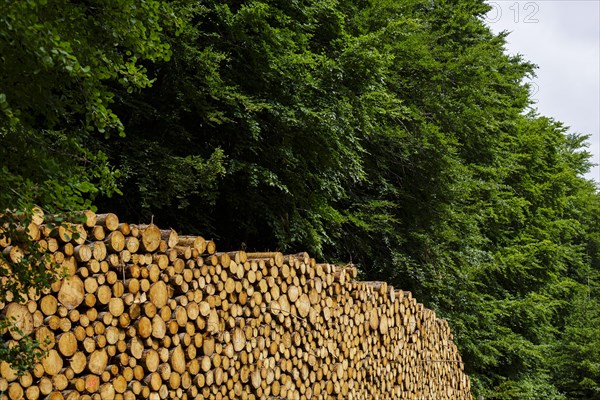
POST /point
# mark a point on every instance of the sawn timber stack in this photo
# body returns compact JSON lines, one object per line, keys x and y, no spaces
{"x":144,"y":313}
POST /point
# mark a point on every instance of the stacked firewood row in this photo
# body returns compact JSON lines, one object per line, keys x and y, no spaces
{"x":144,"y":313}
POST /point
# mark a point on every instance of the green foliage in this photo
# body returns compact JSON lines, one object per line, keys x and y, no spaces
{"x":27,"y":270}
{"x":21,"y":354}
{"x":395,"y":135}
{"x":576,"y":355}
{"x":287,"y":140}
{"x":61,"y":63}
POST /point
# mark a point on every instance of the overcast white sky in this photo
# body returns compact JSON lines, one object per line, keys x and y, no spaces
{"x":563,"y":38}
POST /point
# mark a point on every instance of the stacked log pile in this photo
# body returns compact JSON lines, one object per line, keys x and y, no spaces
{"x":144,"y":313}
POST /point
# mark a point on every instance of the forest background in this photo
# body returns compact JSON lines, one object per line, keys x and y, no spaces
{"x":396,"y":135}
